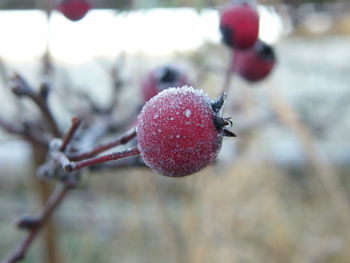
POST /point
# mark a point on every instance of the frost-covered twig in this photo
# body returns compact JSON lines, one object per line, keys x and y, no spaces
{"x":73,"y":166}
{"x":101,"y":148}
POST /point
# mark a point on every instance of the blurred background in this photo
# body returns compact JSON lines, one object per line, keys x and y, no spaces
{"x":279,"y":192}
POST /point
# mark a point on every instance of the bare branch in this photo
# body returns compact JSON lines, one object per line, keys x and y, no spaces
{"x":21,"y":88}
{"x":54,"y":201}
{"x":70,"y":134}
{"x":25,"y":131}
{"x":10,"y":127}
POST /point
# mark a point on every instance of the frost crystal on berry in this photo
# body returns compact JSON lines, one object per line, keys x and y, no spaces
{"x":186,"y":136}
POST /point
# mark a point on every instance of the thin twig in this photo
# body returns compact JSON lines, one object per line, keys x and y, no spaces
{"x":132,"y":162}
{"x":73,"y":166}
{"x":10,"y":127}
{"x":122,"y":140}
{"x":26,"y":132}
{"x":54,"y":201}
{"x":228,"y":78}
{"x":128,"y":121}
{"x":70,"y":134}
{"x":21,"y":88}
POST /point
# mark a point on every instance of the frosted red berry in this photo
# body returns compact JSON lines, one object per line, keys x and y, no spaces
{"x":239,"y":26}
{"x":74,"y":9}
{"x":161,"y":78}
{"x":179,"y":131}
{"x":256,"y":63}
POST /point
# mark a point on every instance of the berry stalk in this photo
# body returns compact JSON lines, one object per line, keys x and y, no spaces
{"x":228,"y":77}
{"x":73,"y":166}
{"x":99,"y":149}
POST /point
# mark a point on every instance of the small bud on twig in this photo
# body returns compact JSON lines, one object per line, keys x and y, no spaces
{"x":28,"y":223}
{"x":19,"y":86}
{"x":44,"y":89}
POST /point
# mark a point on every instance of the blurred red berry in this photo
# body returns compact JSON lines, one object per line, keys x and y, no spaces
{"x":239,"y":26}
{"x":179,"y":131}
{"x":256,"y":63}
{"x":74,"y":9}
{"x":161,"y":78}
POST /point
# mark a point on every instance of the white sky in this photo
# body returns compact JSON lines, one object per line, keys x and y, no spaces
{"x":107,"y":33}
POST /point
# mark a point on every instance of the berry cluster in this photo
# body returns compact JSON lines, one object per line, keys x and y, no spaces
{"x":179,"y":130}
{"x":253,"y":59}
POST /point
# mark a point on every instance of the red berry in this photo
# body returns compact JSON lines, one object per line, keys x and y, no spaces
{"x":256,"y":63}
{"x":74,"y":9}
{"x":239,"y":25}
{"x":179,"y":131}
{"x":161,"y":78}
